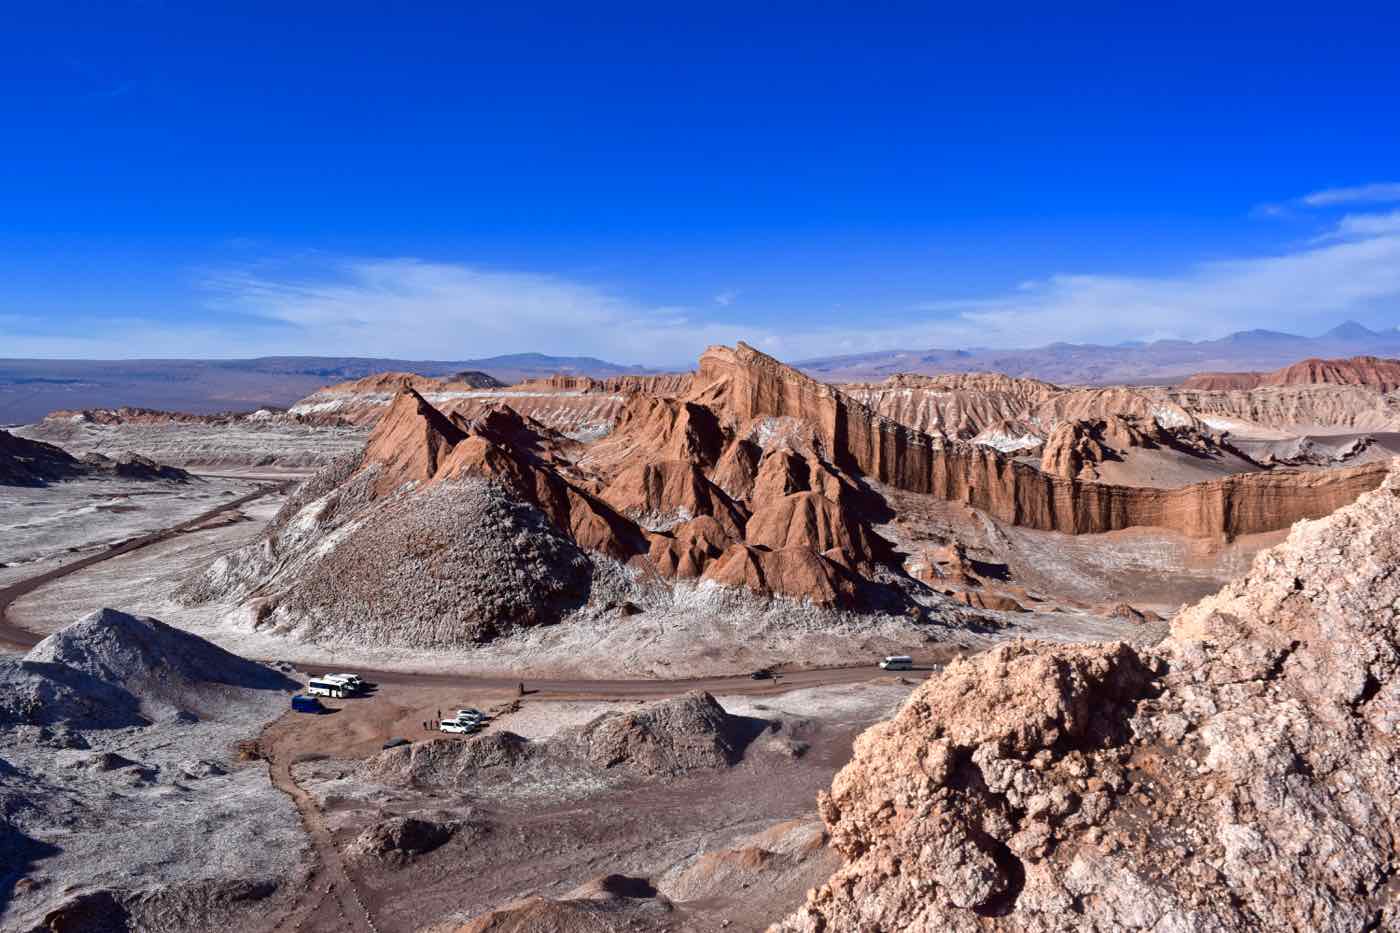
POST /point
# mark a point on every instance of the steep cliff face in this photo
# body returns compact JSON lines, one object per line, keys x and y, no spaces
{"x":743,"y":385}
{"x":1241,"y":776}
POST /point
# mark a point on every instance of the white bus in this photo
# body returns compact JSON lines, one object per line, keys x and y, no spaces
{"x":897,"y":662}
{"x":320,"y":687}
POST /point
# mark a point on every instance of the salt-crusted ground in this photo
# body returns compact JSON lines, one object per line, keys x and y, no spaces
{"x":83,"y":515}
{"x":713,"y":845}
{"x":247,"y":441}
{"x":697,"y":631}
{"x":122,"y":799}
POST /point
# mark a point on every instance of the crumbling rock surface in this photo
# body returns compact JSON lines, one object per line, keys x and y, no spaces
{"x":673,"y":737}
{"x":1243,"y":775}
{"x":400,"y":838}
{"x":119,"y":805}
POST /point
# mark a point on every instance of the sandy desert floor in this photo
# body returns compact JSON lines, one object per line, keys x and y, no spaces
{"x":734,"y":848}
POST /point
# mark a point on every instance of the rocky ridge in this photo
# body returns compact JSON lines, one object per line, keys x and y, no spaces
{"x":26,"y":462}
{"x":1382,"y":375}
{"x":451,"y":530}
{"x":1240,"y":776}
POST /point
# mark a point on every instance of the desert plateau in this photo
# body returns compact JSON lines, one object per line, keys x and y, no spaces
{"x":643,"y":468}
{"x":668,"y":593}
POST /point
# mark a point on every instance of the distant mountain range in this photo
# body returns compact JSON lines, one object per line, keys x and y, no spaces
{"x":30,"y":389}
{"x":1161,"y":361}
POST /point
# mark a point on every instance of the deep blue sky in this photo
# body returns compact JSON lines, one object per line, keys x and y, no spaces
{"x":636,"y":180}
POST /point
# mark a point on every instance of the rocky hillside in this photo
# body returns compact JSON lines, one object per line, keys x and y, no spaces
{"x":1243,"y":775}
{"x":120,"y":805}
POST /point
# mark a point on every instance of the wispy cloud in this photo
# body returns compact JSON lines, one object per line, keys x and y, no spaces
{"x":1366,"y":225}
{"x":1378,"y":193}
{"x":726,"y":298}
{"x":410,"y":308}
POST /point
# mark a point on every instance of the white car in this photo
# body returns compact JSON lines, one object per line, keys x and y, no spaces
{"x":458,"y":726}
{"x":472,"y":714}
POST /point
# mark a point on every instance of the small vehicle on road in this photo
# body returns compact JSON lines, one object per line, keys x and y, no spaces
{"x":306,"y":704}
{"x":897,"y":662}
{"x":458,"y":726}
{"x":763,"y":673}
{"x":354,"y":680}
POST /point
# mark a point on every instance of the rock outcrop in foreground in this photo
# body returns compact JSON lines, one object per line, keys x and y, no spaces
{"x":1242,"y":775}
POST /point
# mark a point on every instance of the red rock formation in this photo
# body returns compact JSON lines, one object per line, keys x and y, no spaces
{"x":410,"y":442}
{"x":1189,"y":786}
{"x":689,"y":548}
{"x":797,"y":572}
{"x":743,"y":384}
{"x":1383,"y":375}
{"x":659,"y":494}
{"x":809,"y":520}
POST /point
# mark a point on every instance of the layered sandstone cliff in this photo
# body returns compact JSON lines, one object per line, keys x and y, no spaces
{"x":744,"y":385}
{"x":1243,"y":775}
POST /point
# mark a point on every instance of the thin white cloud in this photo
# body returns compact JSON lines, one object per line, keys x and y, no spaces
{"x":1366,"y":225}
{"x":416,"y":309}
{"x":1376,"y":193}
{"x":413,"y":309}
{"x":726,"y":298}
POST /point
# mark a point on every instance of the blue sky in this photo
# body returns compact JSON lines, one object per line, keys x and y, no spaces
{"x":635,"y":181}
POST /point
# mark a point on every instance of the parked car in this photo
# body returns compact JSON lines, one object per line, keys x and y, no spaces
{"x":458,"y":726}
{"x":306,"y":704}
{"x":472,"y":713}
{"x":396,"y":743}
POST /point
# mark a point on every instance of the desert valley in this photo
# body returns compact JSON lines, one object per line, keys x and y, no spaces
{"x":1152,"y":675}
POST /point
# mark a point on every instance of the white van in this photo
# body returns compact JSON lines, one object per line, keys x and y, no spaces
{"x":897,"y":662}
{"x":458,"y":726}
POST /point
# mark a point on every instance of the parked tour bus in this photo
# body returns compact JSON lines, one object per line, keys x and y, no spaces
{"x":328,"y":687}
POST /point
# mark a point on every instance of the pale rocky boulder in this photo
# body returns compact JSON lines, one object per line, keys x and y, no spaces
{"x":1244,"y":775}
